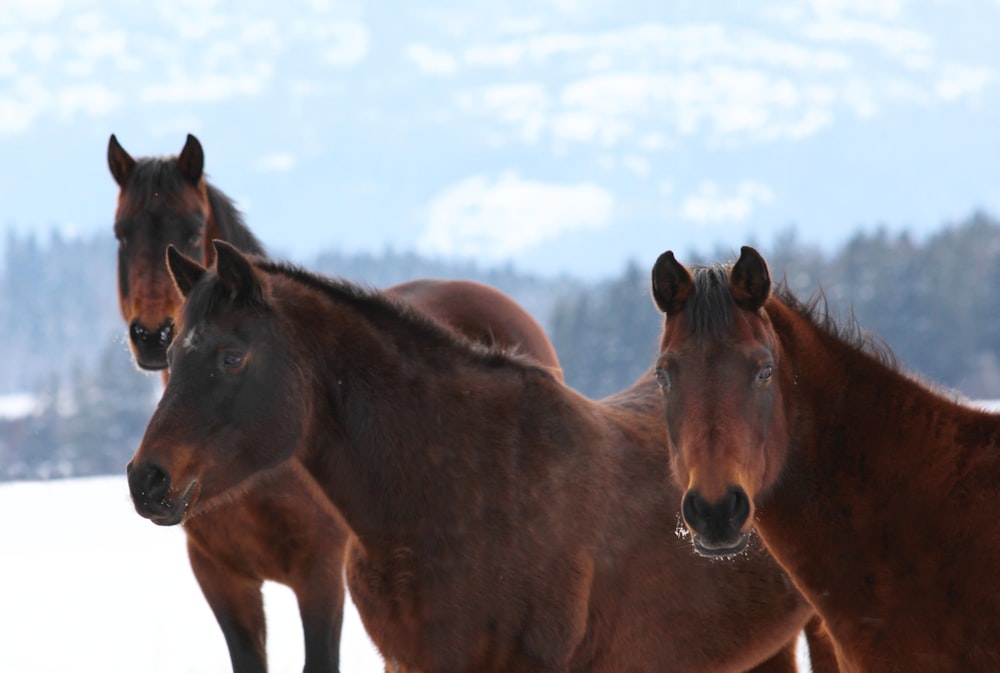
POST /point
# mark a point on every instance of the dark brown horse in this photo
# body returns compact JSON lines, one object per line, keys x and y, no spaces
{"x":875,"y":492}
{"x":282,"y":532}
{"x":168,"y":201}
{"x":501,"y":521}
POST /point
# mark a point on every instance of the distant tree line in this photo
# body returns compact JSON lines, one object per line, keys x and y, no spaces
{"x":933,"y":301}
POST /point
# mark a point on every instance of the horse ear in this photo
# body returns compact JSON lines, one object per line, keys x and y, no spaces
{"x":749,"y":280}
{"x":672,"y":284}
{"x":235,"y":271}
{"x":120,"y":162}
{"x":191,"y":160}
{"x":185,"y":271}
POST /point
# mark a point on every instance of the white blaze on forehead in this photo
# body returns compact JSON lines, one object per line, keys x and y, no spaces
{"x":191,"y":340}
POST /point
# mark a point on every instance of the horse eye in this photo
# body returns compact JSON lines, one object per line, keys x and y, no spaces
{"x":122,"y":242}
{"x":764,"y":375}
{"x":662,"y":378}
{"x":232,"y":360}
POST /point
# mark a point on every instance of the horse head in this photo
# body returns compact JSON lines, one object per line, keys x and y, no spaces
{"x":719,"y":372}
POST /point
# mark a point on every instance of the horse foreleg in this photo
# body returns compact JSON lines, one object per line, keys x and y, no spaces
{"x":238,"y":606}
{"x":320,"y":594}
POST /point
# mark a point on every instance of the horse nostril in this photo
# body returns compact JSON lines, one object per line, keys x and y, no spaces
{"x":149,"y":485}
{"x":693,"y":509}
{"x":137,"y":332}
{"x":727,"y":515}
{"x":156,"y":484}
{"x":739,"y":506}
{"x":166,"y":333}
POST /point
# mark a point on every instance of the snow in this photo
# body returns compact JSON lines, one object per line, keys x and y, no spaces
{"x":87,"y":585}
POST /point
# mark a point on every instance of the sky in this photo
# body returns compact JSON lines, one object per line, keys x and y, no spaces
{"x":557,"y":136}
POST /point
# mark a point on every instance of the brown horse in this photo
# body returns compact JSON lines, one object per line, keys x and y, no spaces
{"x":875,"y":492}
{"x":282,"y":532}
{"x":168,"y":201}
{"x":501,"y":521}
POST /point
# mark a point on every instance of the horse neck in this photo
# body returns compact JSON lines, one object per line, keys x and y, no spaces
{"x":866,"y":487}
{"x":227,"y":223}
{"x":414,"y":432}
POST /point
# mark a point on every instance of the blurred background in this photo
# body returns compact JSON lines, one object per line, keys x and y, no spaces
{"x":553,"y":149}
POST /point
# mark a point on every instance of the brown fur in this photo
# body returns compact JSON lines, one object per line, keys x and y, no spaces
{"x":277,"y":529}
{"x":875,"y":492}
{"x":501,"y":521}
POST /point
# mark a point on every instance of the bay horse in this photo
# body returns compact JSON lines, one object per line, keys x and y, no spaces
{"x":283,"y":532}
{"x":501,"y":522}
{"x":168,"y":201}
{"x":875,"y":491}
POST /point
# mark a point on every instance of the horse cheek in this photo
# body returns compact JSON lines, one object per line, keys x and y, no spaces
{"x":770,"y":430}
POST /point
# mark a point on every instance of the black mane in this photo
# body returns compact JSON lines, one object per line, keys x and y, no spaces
{"x":385,"y":311}
{"x":230,"y":222}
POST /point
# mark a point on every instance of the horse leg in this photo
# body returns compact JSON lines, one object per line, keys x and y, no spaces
{"x":238,"y":606}
{"x":320,"y":594}
{"x":822,"y":654}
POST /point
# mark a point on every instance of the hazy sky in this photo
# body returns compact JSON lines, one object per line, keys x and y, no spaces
{"x":563,"y":135}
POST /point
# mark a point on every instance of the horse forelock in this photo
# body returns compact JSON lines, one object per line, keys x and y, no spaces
{"x":153,"y":181}
{"x":710,"y":307}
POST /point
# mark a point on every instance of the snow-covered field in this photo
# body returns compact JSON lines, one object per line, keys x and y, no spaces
{"x":87,"y":585}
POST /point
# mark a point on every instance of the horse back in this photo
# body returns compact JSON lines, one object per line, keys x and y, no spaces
{"x":483,"y":315}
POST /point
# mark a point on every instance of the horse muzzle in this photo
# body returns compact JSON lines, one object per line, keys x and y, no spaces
{"x":150,"y":345}
{"x":152,"y":496}
{"x":718,"y":528}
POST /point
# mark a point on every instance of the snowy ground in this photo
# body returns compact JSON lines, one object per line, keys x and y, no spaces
{"x":87,"y":585}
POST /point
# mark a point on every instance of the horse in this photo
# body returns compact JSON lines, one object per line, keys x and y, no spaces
{"x":168,"y":201}
{"x":500,"y":520}
{"x":870,"y":487}
{"x":283,"y":532}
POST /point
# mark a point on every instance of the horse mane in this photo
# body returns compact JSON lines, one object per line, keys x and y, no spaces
{"x":713,"y":308}
{"x":229,"y":220}
{"x":851,"y":334}
{"x":381,"y":309}
{"x":848,"y":332}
